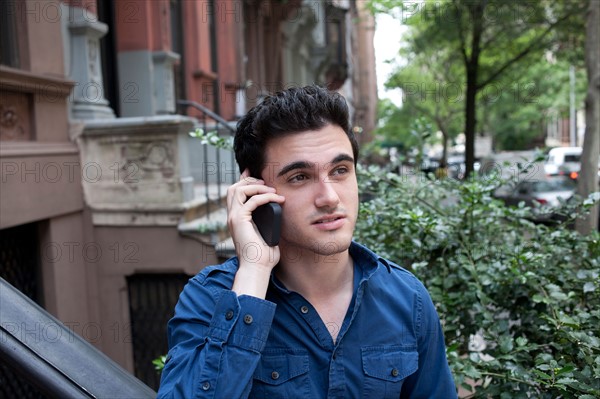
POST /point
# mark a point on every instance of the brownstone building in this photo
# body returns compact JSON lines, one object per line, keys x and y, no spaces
{"x":107,"y":204}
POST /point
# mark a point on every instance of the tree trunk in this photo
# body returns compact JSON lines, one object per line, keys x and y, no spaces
{"x":470,"y":120}
{"x":472,"y":68}
{"x":444,"y":160}
{"x":588,"y":178}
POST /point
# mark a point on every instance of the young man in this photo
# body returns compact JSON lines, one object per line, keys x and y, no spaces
{"x":318,"y":316}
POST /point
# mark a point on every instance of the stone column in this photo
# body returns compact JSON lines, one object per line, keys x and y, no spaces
{"x":164,"y":90}
{"x":85,"y":31}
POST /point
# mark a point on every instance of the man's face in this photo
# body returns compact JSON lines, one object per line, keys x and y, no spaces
{"x":315,"y":172}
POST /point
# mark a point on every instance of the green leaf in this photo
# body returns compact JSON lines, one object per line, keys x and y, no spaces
{"x":521,"y":341}
{"x":542,"y":374}
{"x":506,"y":343}
{"x":566,"y":369}
{"x":537,"y":298}
{"x":159,"y":363}
{"x":567,"y":380}
{"x":589,"y":287}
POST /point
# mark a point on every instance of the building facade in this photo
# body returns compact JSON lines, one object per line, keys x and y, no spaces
{"x":107,"y":204}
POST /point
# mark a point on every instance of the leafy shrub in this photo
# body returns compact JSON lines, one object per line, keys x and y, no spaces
{"x":519,"y":302}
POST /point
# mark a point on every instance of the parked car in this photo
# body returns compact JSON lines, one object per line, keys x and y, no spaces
{"x":455,"y":166}
{"x":564,"y":161}
{"x":544,"y":195}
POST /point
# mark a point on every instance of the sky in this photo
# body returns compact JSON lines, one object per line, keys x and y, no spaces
{"x":388,"y":34}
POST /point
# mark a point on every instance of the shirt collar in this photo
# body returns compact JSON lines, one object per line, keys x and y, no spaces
{"x":367,"y":260}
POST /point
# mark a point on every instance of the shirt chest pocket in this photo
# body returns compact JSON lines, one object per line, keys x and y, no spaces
{"x":282,"y":374}
{"x":385,"y":368}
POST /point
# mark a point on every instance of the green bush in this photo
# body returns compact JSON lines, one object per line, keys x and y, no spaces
{"x":531,"y":291}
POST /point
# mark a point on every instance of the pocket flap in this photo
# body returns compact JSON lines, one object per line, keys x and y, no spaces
{"x":275,"y":369}
{"x":390,"y":363}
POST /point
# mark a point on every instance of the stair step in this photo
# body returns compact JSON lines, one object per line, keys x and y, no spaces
{"x":211,"y":228}
{"x":209,"y":223}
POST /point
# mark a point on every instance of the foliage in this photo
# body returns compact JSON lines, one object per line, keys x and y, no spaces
{"x":393,"y":125}
{"x":432,"y":89}
{"x":530,"y":291}
{"x":212,"y":138}
{"x":488,"y":38}
{"x":517,"y":108}
{"x":159,"y":363}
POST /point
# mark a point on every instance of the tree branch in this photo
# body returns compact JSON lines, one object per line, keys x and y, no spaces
{"x":534,"y":44}
{"x":463,"y":45}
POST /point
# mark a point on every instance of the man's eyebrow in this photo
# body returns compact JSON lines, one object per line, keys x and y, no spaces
{"x":308,"y":165}
{"x":343,"y":158}
{"x":295,"y":165}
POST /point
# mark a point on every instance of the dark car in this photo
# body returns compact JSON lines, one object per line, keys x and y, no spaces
{"x":544,"y":195}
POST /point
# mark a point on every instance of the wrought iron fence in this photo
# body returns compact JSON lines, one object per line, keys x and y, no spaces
{"x":212,"y":124}
{"x":152,"y":299}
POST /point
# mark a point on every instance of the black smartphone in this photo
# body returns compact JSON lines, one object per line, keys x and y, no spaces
{"x":267,"y":219}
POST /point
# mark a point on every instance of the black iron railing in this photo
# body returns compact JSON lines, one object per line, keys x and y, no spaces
{"x":60,"y":364}
{"x":215,"y":178}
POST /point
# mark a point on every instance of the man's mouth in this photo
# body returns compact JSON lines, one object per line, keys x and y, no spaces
{"x":329,"y":219}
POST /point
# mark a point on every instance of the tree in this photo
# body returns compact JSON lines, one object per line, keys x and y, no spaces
{"x":490,"y":37}
{"x":588,"y":179}
{"x":432,"y":89}
{"x":517,"y":115}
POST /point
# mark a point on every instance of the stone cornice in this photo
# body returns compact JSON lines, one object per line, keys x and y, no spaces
{"x":163,"y":124}
{"x":36,"y":148}
{"x":27,"y":82}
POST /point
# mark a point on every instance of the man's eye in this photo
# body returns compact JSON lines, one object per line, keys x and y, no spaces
{"x":340,"y":171}
{"x":297,"y":178}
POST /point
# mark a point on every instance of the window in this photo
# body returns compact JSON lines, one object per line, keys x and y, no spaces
{"x":9,"y":38}
{"x":572,"y":158}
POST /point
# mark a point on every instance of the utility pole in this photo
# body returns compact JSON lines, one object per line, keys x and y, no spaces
{"x":572,"y":111}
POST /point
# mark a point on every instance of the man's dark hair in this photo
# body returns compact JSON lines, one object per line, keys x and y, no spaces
{"x":288,"y":111}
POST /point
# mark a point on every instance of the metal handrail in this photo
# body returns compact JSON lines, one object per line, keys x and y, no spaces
{"x":218,"y":121}
{"x":207,"y":112}
{"x":62,"y":364}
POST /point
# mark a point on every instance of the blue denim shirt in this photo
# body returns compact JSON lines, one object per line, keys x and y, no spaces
{"x":390,"y":344}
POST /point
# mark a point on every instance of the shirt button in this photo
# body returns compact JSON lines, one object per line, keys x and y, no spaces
{"x":304,"y":309}
{"x":274,"y":375}
{"x":395,"y":373}
{"x":229,"y":315}
{"x":206,"y":386}
{"x":248,"y":319}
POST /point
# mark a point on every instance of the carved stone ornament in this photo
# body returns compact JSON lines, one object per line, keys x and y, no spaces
{"x":14,"y":117}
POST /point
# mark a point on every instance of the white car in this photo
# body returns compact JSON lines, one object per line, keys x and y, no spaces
{"x":565,"y":161}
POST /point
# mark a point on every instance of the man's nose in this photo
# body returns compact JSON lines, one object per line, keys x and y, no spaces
{"x":326,"y":194}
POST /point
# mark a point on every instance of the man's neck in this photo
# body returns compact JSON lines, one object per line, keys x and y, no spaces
{"x":316,"y":277}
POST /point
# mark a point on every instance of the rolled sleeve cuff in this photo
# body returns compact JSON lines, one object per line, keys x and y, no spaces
{"x":243,"y":321}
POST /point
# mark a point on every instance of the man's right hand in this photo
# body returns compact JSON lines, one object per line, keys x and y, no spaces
{"x":256,"y":258}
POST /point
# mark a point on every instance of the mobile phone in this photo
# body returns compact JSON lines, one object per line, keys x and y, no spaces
{"x":267,"y":219}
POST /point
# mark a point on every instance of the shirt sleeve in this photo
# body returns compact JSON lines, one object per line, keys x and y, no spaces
{"x":433,"y":378}
{"x":215,"y":341}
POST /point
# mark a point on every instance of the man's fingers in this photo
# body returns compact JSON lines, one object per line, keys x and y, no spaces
{"x":239,"y":194}
{"x":260,"y":199}
{"x":233,"y":190}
